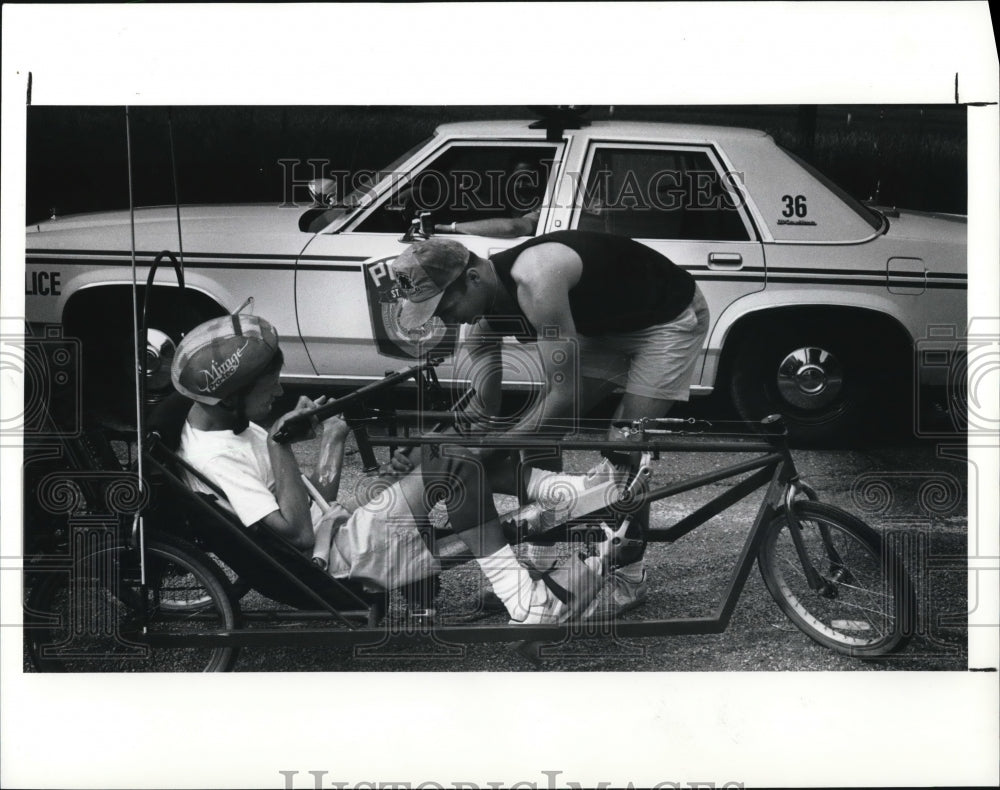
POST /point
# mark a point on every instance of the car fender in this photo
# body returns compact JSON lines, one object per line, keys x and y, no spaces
{"x":759,"y":303}
{"x":88,"y":281}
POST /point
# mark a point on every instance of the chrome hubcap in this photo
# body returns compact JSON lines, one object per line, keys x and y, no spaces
{"x":810,"y":378}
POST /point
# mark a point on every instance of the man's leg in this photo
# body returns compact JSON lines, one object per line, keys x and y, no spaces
{"x":633,"y":407}
{"x":460,"y":479}
{"x":661,"y":368}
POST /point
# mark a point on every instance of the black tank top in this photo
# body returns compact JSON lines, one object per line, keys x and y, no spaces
{"x":625,"y":285}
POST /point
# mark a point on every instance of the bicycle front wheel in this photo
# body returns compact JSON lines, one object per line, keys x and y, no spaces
{"x":90,"y":618}
{"x":864,"y":601}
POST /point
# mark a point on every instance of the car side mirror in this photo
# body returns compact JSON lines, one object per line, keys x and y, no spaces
{"x":323,"y":191}
{"x":421,"y":228}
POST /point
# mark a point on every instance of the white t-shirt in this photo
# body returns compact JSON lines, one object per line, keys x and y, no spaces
{"x":238,"y":464}
{"x":378,"y":544}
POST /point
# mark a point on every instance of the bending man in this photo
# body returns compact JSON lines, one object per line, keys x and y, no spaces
{"x":606,"y":312}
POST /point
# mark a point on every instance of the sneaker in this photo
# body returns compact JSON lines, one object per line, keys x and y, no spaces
{"x":625,"y":589}
{"x":563,"y":496}
{"x":606,"y":472}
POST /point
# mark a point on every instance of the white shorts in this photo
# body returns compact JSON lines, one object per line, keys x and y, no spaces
{"x":656,"y":362}
{"x":379,"y":544}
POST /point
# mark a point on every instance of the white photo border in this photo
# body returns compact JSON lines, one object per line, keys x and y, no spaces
{"x":791,"y":729}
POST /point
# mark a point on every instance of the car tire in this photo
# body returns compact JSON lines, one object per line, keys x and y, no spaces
{"x":108,"y":365}
{"x":108,"y":357}
{"x":826,"y":383}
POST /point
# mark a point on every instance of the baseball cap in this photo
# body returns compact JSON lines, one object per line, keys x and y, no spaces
{"x":423,"y":272}
{"x":223,"y":356}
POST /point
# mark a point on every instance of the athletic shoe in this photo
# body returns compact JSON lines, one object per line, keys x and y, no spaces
{"x":563,"y":496}
{"x":605,"y":472}
{"x":625,"y":589}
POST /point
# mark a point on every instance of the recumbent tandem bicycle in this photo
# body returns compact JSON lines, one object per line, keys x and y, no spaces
{"x":168,"y":592}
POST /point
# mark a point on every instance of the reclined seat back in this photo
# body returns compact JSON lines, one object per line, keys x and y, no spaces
{"x":260,"y":558}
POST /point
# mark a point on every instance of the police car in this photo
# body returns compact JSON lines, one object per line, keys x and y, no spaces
{"x":818,"y":302}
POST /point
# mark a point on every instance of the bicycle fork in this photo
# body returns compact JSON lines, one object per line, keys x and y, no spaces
{"x":817,"y":583}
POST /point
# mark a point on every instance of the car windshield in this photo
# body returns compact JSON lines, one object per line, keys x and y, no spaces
{"x":869,"y":215}
{"x":355,"y":198}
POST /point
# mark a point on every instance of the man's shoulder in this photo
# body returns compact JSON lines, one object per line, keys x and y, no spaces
{"x":545,"y":260}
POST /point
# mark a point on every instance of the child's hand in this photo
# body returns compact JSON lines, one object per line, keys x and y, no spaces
{"x":399,"y":465}
{"x":304,"y":405}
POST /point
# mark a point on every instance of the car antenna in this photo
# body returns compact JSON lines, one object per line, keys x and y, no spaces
{"x":177,"y":197}
{"x":138,"y":524}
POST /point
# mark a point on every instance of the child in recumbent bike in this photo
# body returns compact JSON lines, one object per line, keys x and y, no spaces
{"x":230,"y":367}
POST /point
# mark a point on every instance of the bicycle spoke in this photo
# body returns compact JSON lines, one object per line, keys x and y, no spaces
{"x":98,"y":622}
{"x":853,"y":612}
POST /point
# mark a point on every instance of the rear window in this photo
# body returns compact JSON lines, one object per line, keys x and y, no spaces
{"x":872,"y":217}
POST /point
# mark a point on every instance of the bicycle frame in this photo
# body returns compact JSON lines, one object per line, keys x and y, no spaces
{"x":773,"y":468}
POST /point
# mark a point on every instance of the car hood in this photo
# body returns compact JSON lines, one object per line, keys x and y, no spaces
{"x":157,"y":227}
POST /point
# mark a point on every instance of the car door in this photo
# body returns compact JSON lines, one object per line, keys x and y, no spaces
{"x":680,"y":200}
{"x":344,"y":288}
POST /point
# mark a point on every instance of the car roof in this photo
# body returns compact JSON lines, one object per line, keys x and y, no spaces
{"x":601,"y":129}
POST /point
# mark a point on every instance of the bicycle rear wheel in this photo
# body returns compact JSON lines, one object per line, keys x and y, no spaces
{"x":865,"y":603}
{"x":88,"y":619}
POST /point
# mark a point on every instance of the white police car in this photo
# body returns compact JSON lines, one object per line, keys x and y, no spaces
{"x":818,"y":302}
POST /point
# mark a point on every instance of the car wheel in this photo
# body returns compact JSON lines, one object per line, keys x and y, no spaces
{"x":823,"y":382}
{"x":109,"y":369}
{"x":109,"y":365}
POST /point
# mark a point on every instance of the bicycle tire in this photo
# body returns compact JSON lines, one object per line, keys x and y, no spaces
{"x":80,"y":621}
{"x":866,"y":607}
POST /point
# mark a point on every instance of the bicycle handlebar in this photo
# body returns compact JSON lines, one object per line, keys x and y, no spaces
{"x":298,"y":427}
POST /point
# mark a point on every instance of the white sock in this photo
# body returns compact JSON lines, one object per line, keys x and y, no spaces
{"x":526,"y":600}
{"x":509,"y":580}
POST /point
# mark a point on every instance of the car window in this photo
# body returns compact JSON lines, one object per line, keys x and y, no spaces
{"x":659,"y":193}
{"x":873,"y":218}
{"x":468,"y":182}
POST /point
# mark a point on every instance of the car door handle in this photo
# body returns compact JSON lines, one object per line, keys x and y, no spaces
{"x":725,"y":260}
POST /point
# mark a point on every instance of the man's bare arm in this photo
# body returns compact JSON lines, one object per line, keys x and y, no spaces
{"x":544,"y":276}
{"x":499,"y":228}
{"x":484,"y":349}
